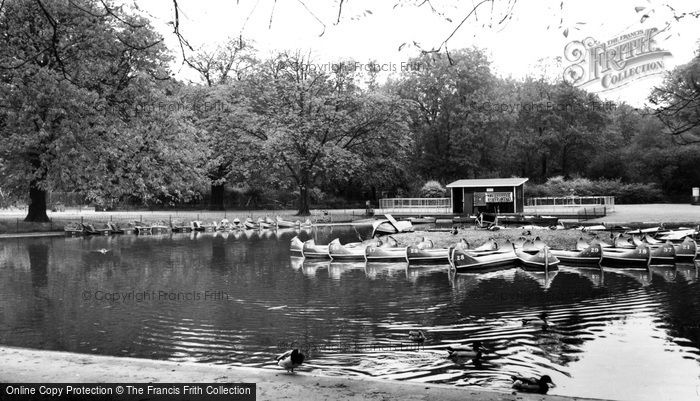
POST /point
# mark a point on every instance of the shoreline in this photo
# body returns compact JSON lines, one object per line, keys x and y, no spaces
{"x":633,"y":216}
{"x":39,"y":366}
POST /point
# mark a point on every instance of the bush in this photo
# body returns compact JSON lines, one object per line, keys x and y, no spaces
{"x":634,"y":192}
{"x":432,"y":189}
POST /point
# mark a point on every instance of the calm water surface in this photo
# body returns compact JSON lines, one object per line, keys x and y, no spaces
{"x":237,"y":299}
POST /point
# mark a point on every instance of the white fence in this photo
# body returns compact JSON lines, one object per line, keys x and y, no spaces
{"x":415,"y":206}
{"x":568,"y":204}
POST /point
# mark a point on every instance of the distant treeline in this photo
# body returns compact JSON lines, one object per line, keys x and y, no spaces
{"x":90,"y":107}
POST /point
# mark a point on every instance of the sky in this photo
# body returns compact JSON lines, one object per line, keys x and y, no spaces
{"x":376,"y":30}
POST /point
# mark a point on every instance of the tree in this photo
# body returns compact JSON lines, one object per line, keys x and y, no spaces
{"x":678,"y":101}
{"x":223,"y":111}
{"x":453,"y":128}
{"x":82,"y":93}
{"x":560,"y":128}
{"x":321,"y":125}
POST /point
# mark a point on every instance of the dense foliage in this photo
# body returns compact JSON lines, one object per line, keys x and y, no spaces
{"x":88,"y":107}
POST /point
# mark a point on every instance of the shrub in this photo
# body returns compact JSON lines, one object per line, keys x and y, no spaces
{"x":634,"y":192}
{"x":432,"y":189}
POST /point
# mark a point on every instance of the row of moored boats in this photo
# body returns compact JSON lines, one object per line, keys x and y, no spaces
{"x":138,"y":227}
{"x":624,"y":252}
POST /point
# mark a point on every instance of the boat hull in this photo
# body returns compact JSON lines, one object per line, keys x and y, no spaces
{"x":385,"y":254}
{"x":588,"y":257}
{"x":542,"y":260}
{"x":417,"y":255}
{"x":296,"y":247}
{"x":313,"y":251}
{"x":466,"y":261}
{"x":286,"y":224}
{"x":664,"y":254}
{"x":633,"y":258}
{"x":686,"y":251}
{"x":336,"y":251}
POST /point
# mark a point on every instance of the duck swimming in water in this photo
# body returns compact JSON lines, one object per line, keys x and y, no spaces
{"x":473,"y":351}
{"x":532,"y":385}
{"x":416,"y":336}
{"x":290,"y":360}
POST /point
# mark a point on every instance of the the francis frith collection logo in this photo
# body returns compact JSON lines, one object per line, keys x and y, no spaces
{"x":603,"y":66}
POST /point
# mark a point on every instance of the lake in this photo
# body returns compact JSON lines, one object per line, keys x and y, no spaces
{"x":240,"y":299}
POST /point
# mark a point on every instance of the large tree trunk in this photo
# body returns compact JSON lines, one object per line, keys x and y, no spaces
{"x":544,"y":167}
{"x":303,"y":201}
{"x":37,"y":204}
{"x":217,"y":197}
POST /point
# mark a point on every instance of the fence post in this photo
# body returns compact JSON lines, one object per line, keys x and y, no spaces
{"x":17,"y":223}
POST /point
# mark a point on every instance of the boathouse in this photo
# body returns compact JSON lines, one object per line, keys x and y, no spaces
{"x":488,"y":195}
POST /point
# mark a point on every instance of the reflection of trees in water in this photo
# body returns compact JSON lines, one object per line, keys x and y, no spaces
{"x":13,"y":255}
{"x":39,"y":263}
{"x":679,"y":313}
{"x":218,"y":253}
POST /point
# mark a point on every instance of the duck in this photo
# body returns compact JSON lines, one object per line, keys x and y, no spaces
{"x":540,"y":321}
{"x":416,"y":336}
{"x":290,"y":360}
{"x":533,"y":385}
{"x":473,"y":351}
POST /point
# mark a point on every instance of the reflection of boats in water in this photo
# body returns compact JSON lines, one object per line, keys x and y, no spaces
{"x":309,"y":267}
{"x":336,"y":269}
{"x":221,"y":234}
{"x":689,"y":271}
{"x":543,"y":278}
{"x":296,"y":262}
{"x":642,"y":276}
{"x":414,"y":271}
{"x":594,"y":274}
{"x":282,"y":233}
{"x":667,"y":272}
{"x":250,"y":234}
{"x":372,"y":269}
{"x":469,"y":280}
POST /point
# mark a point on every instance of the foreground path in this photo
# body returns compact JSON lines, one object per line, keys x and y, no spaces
{"x":24,"y":365}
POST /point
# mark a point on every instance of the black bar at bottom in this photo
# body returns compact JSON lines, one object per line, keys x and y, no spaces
{"x":127,"y":391}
